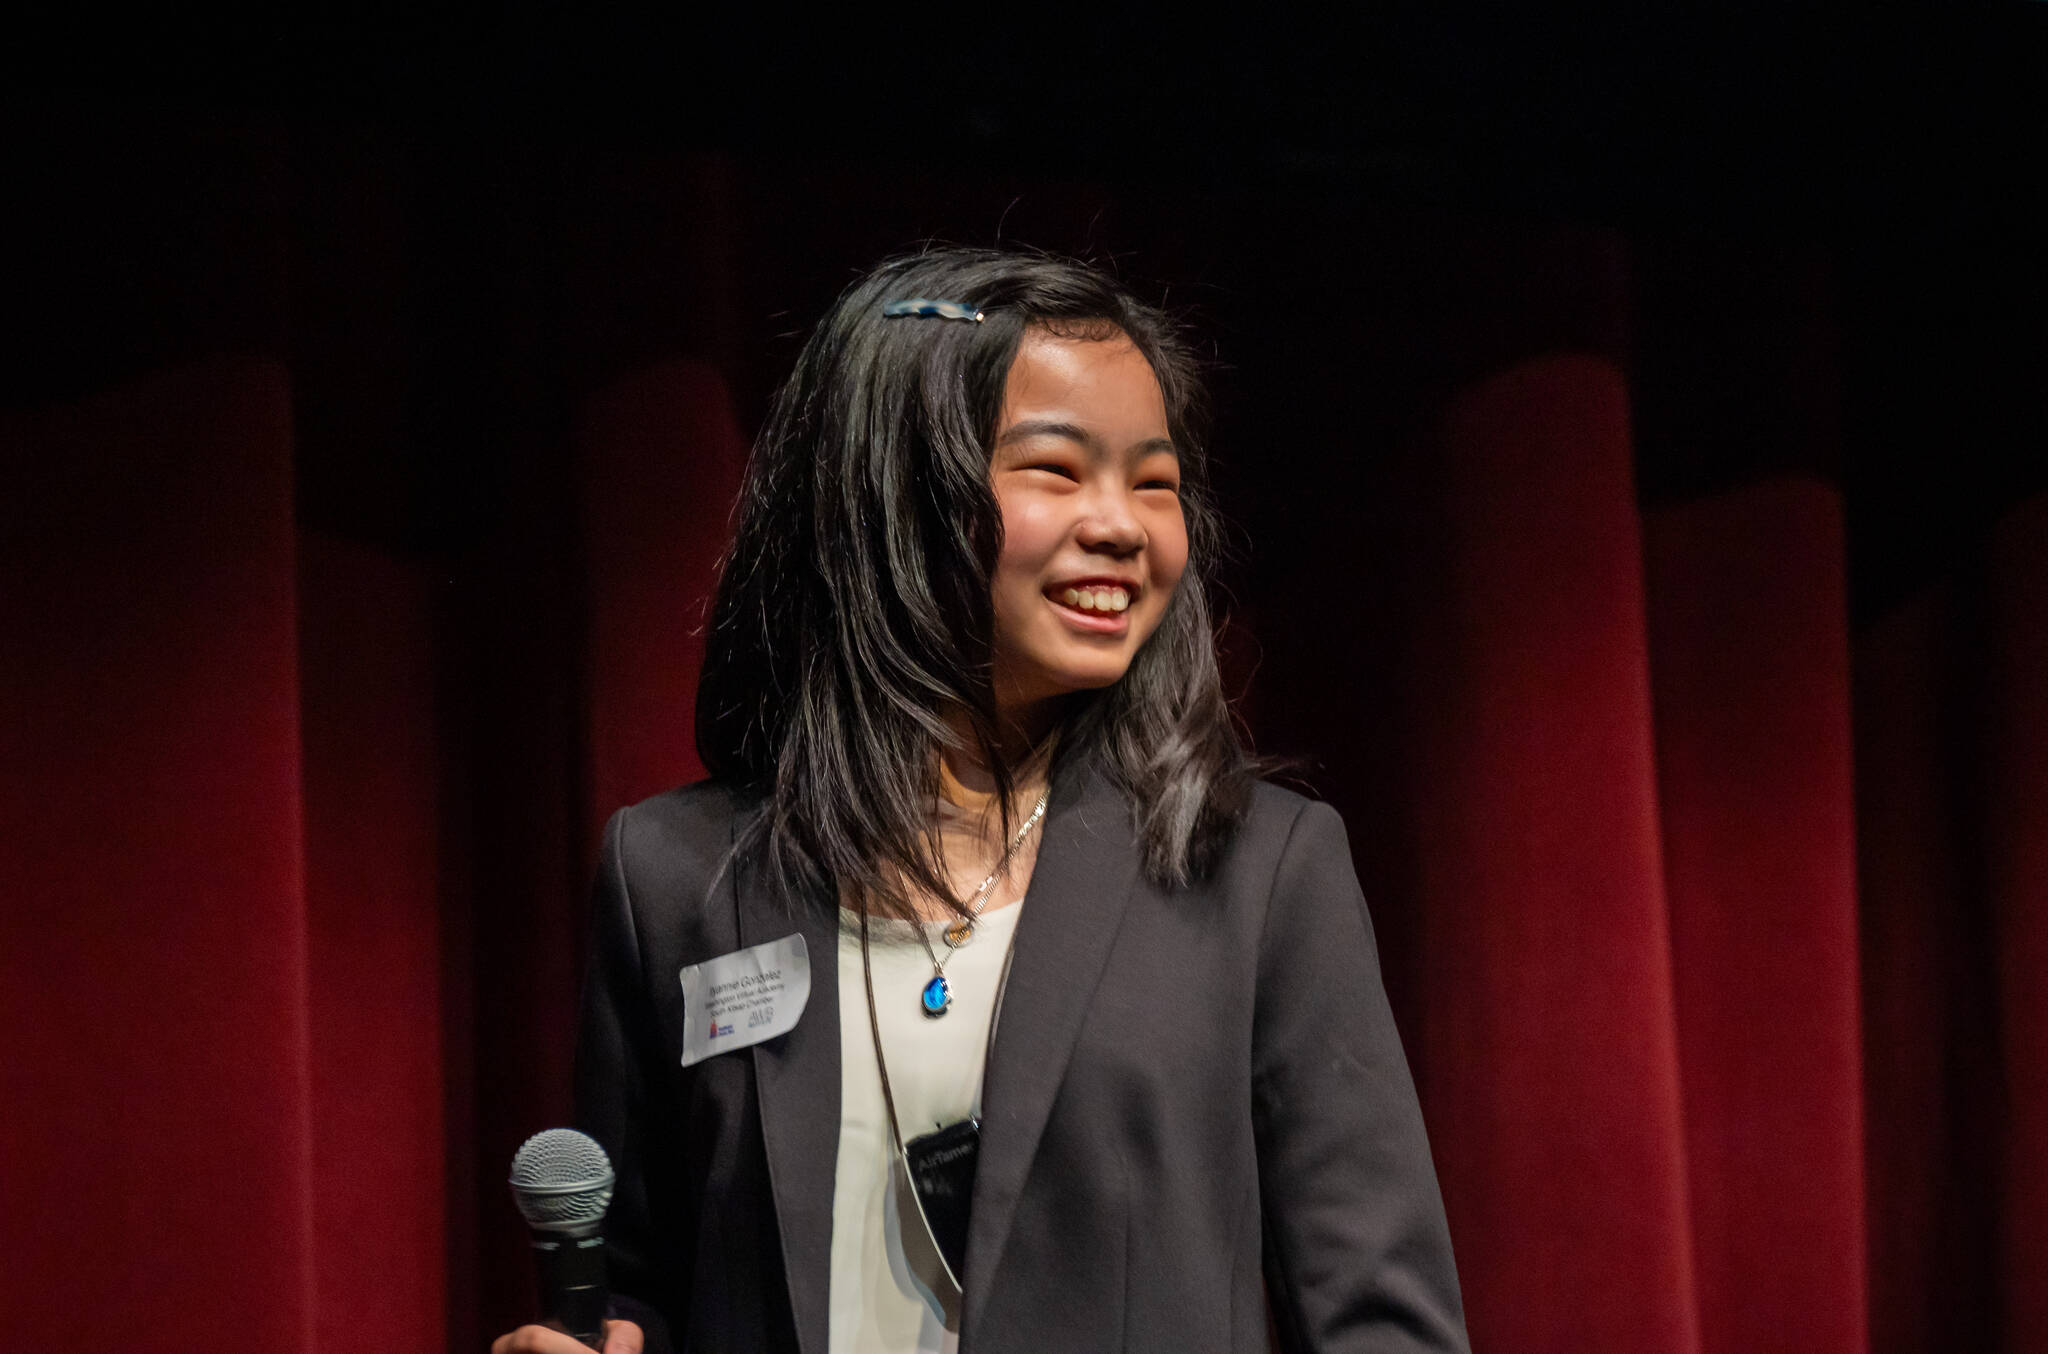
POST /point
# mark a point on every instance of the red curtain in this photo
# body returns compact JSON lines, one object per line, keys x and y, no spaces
{"x":1713,"y":923}
{"x":1750,"y":688}
{"x":157,"y":1125}
{"x":2016,"y":861}
{"x":1950,"y":699}
{"x":1544,"y":938}
{"x":661,"y":455}
{"x":370,"y":764}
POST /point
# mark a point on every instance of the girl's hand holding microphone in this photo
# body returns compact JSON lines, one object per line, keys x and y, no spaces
{"x":562,"y":1182}
{"x":620,"y":1337}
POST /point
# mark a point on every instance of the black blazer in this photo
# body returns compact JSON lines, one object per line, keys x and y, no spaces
{"x":1190,"y":1095}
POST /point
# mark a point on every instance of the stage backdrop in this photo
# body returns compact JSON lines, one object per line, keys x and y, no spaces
{"x":362,"y":503}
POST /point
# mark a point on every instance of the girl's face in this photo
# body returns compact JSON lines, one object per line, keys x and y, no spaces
{"x":1093,"y":538}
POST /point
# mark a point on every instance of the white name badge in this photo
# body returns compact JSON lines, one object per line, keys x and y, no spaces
{"x":744,"y":997}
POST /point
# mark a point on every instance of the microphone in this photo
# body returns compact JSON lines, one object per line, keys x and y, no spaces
{"x":562,"y":1182}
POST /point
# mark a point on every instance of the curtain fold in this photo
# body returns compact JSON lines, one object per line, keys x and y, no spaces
{"x":660,"y":471}
{"x":155,"y":1093}
{"x":1930,"y":1031}
{"x":370,"y":766}
{"x":1750,"y":664}
{"x":1548,"y":1026}
{"x":2016,"y":829}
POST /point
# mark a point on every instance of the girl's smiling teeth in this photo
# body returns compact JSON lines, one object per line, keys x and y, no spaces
{"x":1096,"y":599}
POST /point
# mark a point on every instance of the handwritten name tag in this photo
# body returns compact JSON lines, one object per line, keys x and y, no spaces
{"x":744,"y":997}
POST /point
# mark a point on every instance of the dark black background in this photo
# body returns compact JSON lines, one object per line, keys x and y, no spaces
{"x":1248,"y":164}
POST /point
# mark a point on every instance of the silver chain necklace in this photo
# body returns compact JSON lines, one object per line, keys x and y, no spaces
{"x":936,"y":997}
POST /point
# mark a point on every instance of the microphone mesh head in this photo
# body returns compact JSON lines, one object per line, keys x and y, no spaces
{"x":562,"y":1181}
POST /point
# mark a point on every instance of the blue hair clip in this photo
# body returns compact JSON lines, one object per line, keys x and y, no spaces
{"x":945,"y":310}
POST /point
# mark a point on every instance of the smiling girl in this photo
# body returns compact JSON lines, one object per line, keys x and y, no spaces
{"x":1095,"y":1053}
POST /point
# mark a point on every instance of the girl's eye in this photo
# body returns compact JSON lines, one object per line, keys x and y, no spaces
{"x":1054,"y":468}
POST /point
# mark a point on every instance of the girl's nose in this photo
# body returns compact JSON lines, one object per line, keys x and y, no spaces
{"x":1111,"y":523}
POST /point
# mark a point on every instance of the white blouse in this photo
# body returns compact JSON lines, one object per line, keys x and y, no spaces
{"x":889,"y":1293}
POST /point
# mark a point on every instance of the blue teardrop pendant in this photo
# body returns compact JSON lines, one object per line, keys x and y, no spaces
{"x":937,"y":996}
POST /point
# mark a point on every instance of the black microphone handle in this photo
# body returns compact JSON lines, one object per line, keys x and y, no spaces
{"x":573,"y":1291}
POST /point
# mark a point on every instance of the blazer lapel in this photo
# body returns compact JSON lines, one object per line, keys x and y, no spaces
{"x":797,"y":1076}
{"x":1087,"y":865}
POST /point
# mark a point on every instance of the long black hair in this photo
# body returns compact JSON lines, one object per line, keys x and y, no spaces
{"x":853,"y":609}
